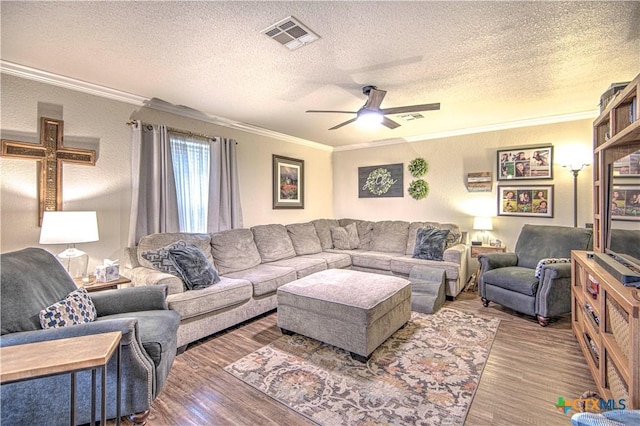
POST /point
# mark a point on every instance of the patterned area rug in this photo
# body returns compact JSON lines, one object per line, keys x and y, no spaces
{"x":425,"y":374}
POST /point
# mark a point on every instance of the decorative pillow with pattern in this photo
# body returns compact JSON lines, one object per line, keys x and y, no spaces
{"x":549,"y":261}
{"x":194,"y":268}
{"x":159,"y":258}
{"x":430,"y":243}
{"x":76,"y":308}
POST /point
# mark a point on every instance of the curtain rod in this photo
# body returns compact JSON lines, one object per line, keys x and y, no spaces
{"x":174,"y":130}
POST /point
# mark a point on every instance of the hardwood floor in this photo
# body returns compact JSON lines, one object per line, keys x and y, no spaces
{"x":528,"y":369}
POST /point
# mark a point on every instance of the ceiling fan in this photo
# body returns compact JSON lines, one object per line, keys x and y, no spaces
{"x":371,"y":109}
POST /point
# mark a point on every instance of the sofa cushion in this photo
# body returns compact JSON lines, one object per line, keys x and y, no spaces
{"x":196,"y":271}
{"x":402,"y":265}
{"x":304,"y":238}
{"x":549,"y":261}
{"x":76,"y":308}
{"x":227,"y":292}
{"x":390,"y":236}
{"x":345,"y":238}
{"x":333,"y":260}
{"x":430,"y":243}
{"x":372,"y":259}
{"x":514,"y":278}
{"x":303,"y":265}
{"x":266,"y":278}
{"x":323,"y":229}
{"x":455,"y":235}
{"x":273,"y":242}
{"x":365,"y":231}
{"x":156,"y":241}
{"x":234,"y":250}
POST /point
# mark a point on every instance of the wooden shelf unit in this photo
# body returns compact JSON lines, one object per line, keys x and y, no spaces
{"x":607,"y":327}
{"x":607,"y":324}
{"x":616,"y":133}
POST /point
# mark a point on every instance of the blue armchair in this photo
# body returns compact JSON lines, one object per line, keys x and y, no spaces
{"x":510,"y":278}
{"x":33,"y":279}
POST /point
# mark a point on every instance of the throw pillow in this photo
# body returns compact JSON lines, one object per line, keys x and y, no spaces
{"x":159,"y":258}
{"x":340,"y":238}
{"x":549,"y":261}
{"x":430,"y":243}
{"x":352,"y":232}
{"x":76,"y":308}
{"x":193,"y":267}
{"x":345,"y":238}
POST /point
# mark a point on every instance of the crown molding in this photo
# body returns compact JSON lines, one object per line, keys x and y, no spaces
{"x":69,"y":83}
{"x":537,"y":121}
{"x":29,"y":73}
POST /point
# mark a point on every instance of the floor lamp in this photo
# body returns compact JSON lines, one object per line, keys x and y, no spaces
{"x":575,"y":169}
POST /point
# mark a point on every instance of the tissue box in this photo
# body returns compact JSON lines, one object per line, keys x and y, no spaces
{"x":108,"y":273}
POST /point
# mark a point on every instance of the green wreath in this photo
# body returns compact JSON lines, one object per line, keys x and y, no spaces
{"x":418,"y":189}
{"x":418,"y":167}
{"x":379,"y":181}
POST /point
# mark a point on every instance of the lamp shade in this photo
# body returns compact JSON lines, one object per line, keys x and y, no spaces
{"x":65,"y":227}
{"x":482,"y":224}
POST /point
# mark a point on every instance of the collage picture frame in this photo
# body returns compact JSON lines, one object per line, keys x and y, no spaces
{"x":525,"y":163}
{"x":525,"y":200}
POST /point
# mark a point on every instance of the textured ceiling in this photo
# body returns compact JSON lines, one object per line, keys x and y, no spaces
{"x":486,"y":62}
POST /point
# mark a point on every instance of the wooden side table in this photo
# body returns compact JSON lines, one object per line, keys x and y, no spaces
{"x":475,"y":251}
{"x":74,"y":354}
{"x":94,"y":285}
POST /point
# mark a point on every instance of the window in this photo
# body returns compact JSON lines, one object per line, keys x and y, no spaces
{"x":190,"y":156}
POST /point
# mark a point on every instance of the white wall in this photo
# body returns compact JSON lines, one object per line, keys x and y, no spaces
{"x":450,"y":159}
{"x":98,"y":123}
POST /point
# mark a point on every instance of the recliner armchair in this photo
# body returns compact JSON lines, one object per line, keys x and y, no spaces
{"x":509,"y":278}
{"x":33,"y":279}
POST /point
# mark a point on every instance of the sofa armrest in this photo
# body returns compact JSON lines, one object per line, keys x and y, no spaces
{"x":127,"y":326}
{"x":456,"y":254}
{"x":131,"y":299}
{"x":142,"y":276}
{"x":497,"y":260}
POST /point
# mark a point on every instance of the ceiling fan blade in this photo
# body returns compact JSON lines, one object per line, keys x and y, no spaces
{"x":411,"y":108}
{"x":344,"y":124}
{"x":389,"y":123}
{"x":345,"y":112}
{"x":375,"y":98}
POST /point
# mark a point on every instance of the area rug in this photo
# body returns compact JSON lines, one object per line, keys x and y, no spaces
{"x":425,"y":374}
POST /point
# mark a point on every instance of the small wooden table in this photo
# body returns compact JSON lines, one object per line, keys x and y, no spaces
{"x":475,"y":251}
{"x":94,"y":285}
{"x":74,"y":354}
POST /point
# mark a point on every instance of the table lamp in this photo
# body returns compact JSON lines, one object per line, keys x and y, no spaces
{"x":71,"y":228}
{"x":483,"y":224}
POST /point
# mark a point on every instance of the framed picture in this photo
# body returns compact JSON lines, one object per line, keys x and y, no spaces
{"x":628,"y":166}
{"x":380,"y":181}
{"x":525,"y":200}
{"x":288,"y":183}
{"x":526,"y":163}
{"x":625,"y":202}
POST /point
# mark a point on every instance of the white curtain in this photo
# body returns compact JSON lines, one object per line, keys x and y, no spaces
{"x":225,"y":210}
{"x":154,"y":205}
{"x":191,"y":173}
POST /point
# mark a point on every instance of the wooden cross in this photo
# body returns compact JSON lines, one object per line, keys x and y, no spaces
{"x":50,"y":153}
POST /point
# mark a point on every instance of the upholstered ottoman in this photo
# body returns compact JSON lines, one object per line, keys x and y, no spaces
{"x":352,"y":310}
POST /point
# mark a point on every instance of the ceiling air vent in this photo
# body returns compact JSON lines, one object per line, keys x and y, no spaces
{"x":411,"y":117}
{"x":290,"y":33}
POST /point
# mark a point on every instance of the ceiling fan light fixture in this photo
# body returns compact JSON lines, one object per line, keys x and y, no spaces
{"x":369,"y":119}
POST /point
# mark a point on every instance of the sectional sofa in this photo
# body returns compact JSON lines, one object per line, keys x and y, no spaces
{"x":253,"y":262}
